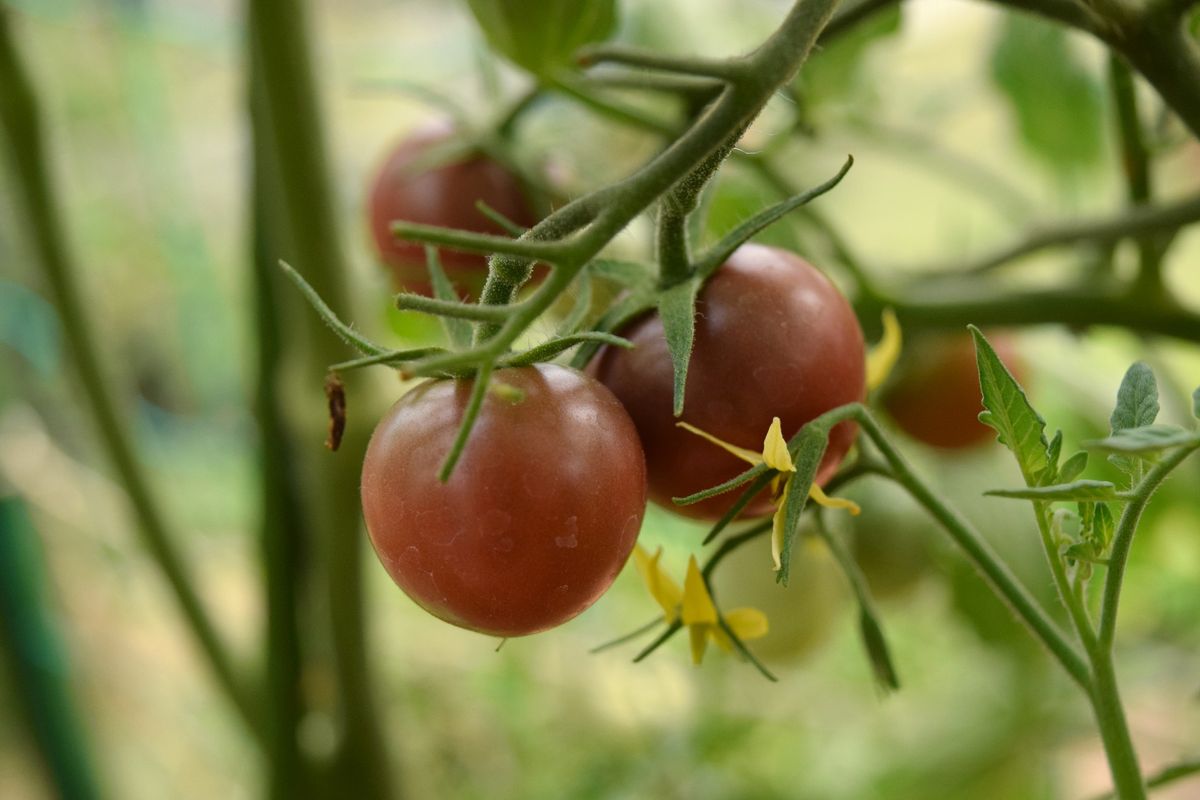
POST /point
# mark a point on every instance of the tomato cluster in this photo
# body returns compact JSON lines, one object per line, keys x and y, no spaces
{"x":544,"y":506}
{"x":408,"y":187}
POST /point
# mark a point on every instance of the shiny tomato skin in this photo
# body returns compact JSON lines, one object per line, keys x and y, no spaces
{"x":539,"y":515}
{"x":444,"y":195}
{"x":934,"y":394}
{"x":774,"y":337}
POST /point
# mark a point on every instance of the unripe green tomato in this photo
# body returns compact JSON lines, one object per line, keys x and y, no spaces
{"x":890,"y":539}
{"x":934,"y":393}
{"x":802,"y":615}
{"x":543,"y":37}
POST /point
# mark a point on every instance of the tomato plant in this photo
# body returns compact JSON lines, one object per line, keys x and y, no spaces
{"x":406,"y":188}
{"x":935,"y":394}
{"x":774,"y":337}
{"x":537,"y":519}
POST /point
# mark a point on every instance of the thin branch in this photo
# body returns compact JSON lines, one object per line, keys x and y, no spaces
{"x":725,"y":70}
{"x":1107,"y":230}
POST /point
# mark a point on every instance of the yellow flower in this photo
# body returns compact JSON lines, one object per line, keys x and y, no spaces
{"x":693,"y":606}
{"x":883,"y":356}
{"x":775,"y":455}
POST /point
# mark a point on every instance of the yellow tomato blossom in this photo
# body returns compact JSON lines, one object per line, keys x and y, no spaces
{"x":883,"y":356}
{"x":776,"y":456}
{"x":693,"y":605}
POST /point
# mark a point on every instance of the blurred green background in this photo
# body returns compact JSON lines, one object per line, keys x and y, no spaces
{"x":966,"y":129}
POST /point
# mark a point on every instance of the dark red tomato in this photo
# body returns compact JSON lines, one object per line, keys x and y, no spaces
{"x":774,"y":338}
{"x":539,"y":515}
{"x":934,"y":395}
{"x":443,"y":195}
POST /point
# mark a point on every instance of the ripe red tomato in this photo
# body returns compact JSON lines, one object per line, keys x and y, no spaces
{"x":774,"y":338}
{"x":934,"y":395}
{"x":443,"y":195}
{"x":539,"y":515}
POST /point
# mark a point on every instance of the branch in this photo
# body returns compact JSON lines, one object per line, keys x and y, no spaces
{"x":1135,"y":222}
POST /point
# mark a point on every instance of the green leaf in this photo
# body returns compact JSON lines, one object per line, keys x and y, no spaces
{"x":1137,"y":405}
{"x":630,"y":274}
{"x":1022,"y":430}
{"x":809,"y":449}
{"x":458,"y":331}
{"x":1053,"y":452}
{"x":1103,"y":525}
{"x":1137,"y":399}
{"x":1073,"y":468}
{"x":1146,"y":440}
{"x":835,"y":72}
{"x":877,"y":650}
{"x":1054,"y":97}
{"x":677,"y":308}
{"x":1081,"y":491}
{"x":580,"y":308}
{"x":543,"y":36}
{"x":1196,"y":403}
{"x":717,"y":254}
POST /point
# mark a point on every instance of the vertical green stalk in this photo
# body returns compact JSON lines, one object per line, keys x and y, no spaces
{"x":29,"y":162}
{"x":288,"y":133}
{"x":1114,"y":730}
{"x":284,"y":532}
{"x":29,"y":640}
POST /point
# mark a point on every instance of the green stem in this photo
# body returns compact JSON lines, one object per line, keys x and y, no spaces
{"x":1114,"y":730}
{"x":29,"y":161}
{"x":284,"y":531}
{"x":1062,"y":582}
{"x":288,"y":134}
{"x":985,"y":560}
{"x":1123,"y":540}
{"x":1135,"y":164}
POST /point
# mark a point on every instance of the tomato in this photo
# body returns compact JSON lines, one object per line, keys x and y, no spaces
{"x":539,"y":515}
{"x":773,"y":338}
{"x":890,"y":539}
{"x":445,"y":194}
{"x":934,"y":395}
{"x":801,"y":616}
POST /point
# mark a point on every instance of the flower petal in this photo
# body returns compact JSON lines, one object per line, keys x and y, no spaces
{"x":818,"y":496}
{"x":747,"y":623}
{"x":777,"y":526}
{"x":882,"y":357}
{"x":745,"y":455}
{"x":775,"y":450}
{"x":665,"y":591}
{"x":698,"y":607}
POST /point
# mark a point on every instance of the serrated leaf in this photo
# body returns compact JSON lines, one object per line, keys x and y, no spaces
{"x":1137,"y":399}
{"x":677,"y":309}
{"x":1022,"y":430}
{"x":1053,"y":452}
{"x":1054,"y":96}
{"x":541,"y":37}
{"x":1073,"y":468}
{"x":1080,"y":491}
{"x":1146,"y":440}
